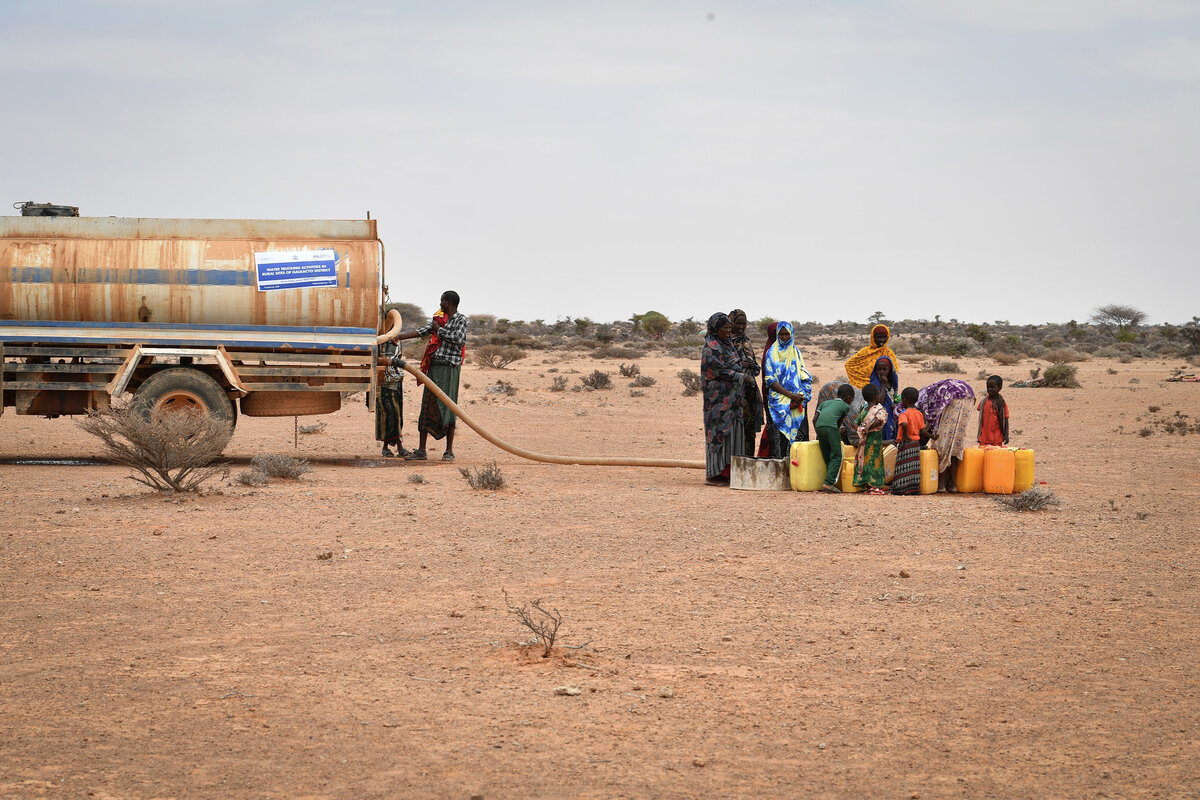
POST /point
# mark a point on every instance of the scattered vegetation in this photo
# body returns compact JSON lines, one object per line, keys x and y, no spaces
{"x":498,"y":356}
{"x":542,"y":622}
{"x":170,"y":451}
{"x":1035,"y":499}
{"x":630,"y":370}
{"x":642,"y":381}
{"x":1063,"y":355}
{"x":280,"y":466}
{"x":501,"y":387}
{"x":486,"y":477}
{"x":690,"y":381}
{"x":316,"y":427}
{"x":417,"y":477}
{"x":841,"y":346}
{"x":559,"y":384}
{"x":1006,"y":359}
{"x":597,"y":380}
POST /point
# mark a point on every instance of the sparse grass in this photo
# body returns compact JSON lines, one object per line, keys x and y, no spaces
{"x":630,"y":370}
{"x":486,"y":477}
{"x":1035,"y":499}
{"x":280,"y":466}
{"x":690,"y":381}
{"x":169,"y":451}
{"x":543,"y":623}
{"x":597,"y":380}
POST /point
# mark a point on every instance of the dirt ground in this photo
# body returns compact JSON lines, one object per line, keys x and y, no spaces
{"x":725,"y":643}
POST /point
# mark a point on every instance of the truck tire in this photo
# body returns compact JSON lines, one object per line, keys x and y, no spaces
{"x":290,"y":404}
{"x":178,"y":388}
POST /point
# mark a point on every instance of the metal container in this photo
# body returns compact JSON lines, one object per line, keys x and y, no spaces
{"x":191,"y":271}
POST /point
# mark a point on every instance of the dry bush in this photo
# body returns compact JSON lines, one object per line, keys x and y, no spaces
{"x":597,"y":380}
{"x":1063,"y":355}
{"x":1005,"y":359}
{"x":630,"y":370}
{"x":417,"y":477}
{"x":1034,"y":499}
{"x":937,"y":365}
{"x":542,"y":623}
{"x":501,"y":387}
{"x":841,"y":346}
{"x":636,"y":393}
{"x":690,"y":380}
{"x":316,"y":427}
{"x":280,"y":466}
{"x":486,"y":477}
{"x":1060,"y":376}
{"x":642,"y":381}
{"x":617,"y":353}
{"x":171,"y":451}
{"x":559,"y":384}
{"x":497,"y":356}
{"x":253,"y":477}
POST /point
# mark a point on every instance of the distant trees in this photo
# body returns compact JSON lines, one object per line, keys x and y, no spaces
{"x":1123,"y":318}
{"x":655,"y":324}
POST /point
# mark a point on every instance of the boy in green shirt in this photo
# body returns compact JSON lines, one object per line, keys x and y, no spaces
{"x":827,"y":421}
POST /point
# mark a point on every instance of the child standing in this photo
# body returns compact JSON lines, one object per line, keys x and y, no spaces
{"x":911,"y":422}
{"x":828,"y":423}
{"x":993,"y":415}
{"x":868,"y":462}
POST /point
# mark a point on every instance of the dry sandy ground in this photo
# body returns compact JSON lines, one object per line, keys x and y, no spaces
{"x":726,"y":644}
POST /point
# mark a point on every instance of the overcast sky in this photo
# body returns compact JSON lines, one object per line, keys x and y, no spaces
{"x":1024,"y":160}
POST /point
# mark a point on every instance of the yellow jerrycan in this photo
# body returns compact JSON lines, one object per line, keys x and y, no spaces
{"x":846,"y":479}
{"x":889,"y":463}
{"x":999,"y":469}
{"x":807,"y":468}
{"x":929,"y":471}
{"x":1023,"y":470}
{"x":969,"y":477}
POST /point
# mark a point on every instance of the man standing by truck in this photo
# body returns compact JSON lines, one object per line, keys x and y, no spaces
{"x":445,"y":366}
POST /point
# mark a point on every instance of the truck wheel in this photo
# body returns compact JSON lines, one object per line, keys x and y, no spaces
{"x":181,"y":388}
{"x":290,"y":404}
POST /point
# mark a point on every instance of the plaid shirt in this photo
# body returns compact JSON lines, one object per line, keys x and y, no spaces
{"x":452,"y":337}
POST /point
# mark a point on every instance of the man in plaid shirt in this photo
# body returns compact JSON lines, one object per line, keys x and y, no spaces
{"x":445,"y":366}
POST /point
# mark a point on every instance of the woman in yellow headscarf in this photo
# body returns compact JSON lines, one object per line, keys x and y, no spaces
{"x":861,"y":365}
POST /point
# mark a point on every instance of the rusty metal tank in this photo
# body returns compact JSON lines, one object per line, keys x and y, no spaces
{"x":220,"y":272}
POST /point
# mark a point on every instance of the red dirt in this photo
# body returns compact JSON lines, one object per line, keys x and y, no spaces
{"x":154,"y":648}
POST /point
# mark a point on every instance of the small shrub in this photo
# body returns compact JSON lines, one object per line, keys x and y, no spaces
{"x":417,"y":477}
{"x":544,"y":624}
{"x":597,"y":380}
{"x":1034,"y":499}
{"x":1144,"y":432}
{"x":937,"y":365}
{"x":630,"y":370}
{"x":642,"y":381}
{"x":171,"y":451}
{"x":497,"y":356}
{"x":1063,"y":355}
{"x":253,"y":477}
{"x":616,"y":353}
{"x":559,"y":384}
{"x":486,"y":477}
{"x":1155,"y":409}
{"x":841,"y":346}
{"x":1005,"y":359}
{"x":316,"y":427}
{"x":636,"y":393}
{"x":501,"y":387}
{"x":978,"y":333}
{"x":280,"y":466}
{"x":1061,"y":376}
{"x":690,"y":381}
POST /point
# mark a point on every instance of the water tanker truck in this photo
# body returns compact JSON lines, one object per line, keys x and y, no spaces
{"x":227,"y":316}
